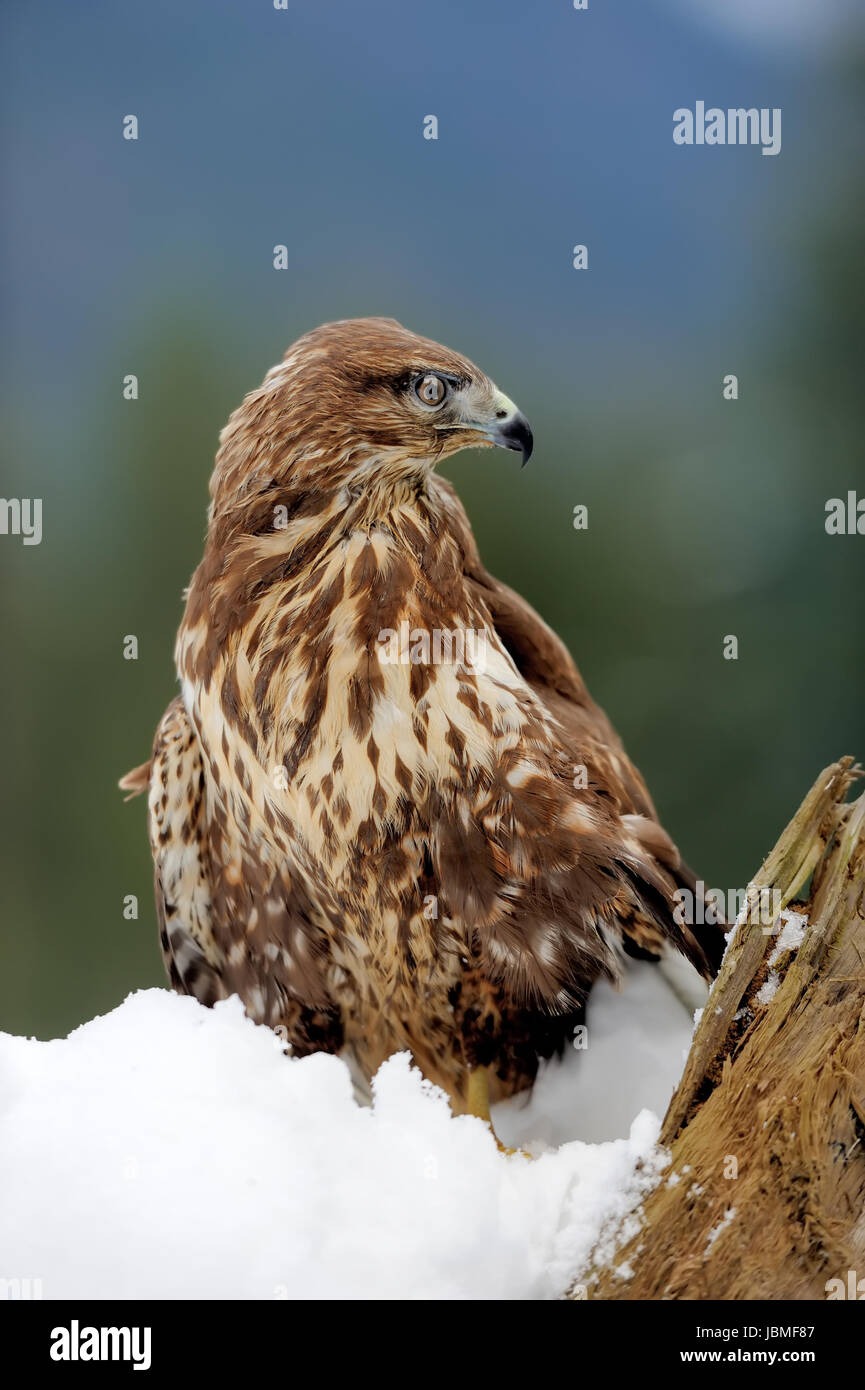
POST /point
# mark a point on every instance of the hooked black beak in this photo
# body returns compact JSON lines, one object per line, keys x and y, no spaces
{"x":515,"y":432}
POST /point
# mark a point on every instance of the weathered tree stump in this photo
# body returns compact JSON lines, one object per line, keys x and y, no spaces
{"x":764,"y":1196}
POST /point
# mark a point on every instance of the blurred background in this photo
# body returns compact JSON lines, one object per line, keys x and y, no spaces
{"x":304,"y":127}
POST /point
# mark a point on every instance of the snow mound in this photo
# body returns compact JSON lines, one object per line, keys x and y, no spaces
{"x":172,"y":1151}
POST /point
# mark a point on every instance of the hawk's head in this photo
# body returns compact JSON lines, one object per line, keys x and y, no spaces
{"x":357,"y":398}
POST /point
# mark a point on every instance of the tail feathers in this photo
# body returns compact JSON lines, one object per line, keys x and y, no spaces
{"x":658,"y":912}
{"x":136,"y":781}
{"x":710,"y":936}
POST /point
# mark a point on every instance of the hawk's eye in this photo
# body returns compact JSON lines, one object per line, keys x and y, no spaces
{"x":430,"y":389}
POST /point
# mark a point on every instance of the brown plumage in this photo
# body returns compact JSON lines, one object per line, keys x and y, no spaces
{"x":378,"y":852}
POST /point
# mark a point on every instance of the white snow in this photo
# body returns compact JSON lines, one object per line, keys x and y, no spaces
{"x":717,"y":1230}
{"x":638,"y":1038}
{"x":172,"y":1151}
{"x":790,"y":938}
{"x":792,"y":934}
{"x":768,"y":989}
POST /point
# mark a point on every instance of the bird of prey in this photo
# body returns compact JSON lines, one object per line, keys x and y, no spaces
{"x":384,"y":810}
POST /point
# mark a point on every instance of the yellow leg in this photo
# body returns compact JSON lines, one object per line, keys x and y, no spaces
{"x":478,"y":1103}
{"x":478,"y":1095}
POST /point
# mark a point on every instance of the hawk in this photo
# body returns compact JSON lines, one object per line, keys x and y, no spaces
{"x":384,"y":810}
